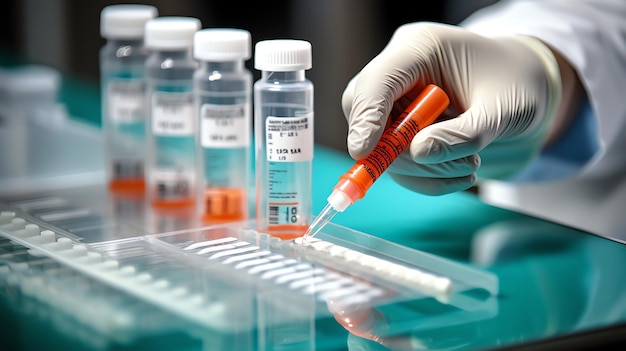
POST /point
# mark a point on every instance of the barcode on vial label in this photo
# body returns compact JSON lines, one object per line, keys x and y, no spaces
{"x":283,"y":214}
{"x":127,"y":168}
{"x":170,"y":185}
{"x":172,"y":114}
{"x":289,"y":139}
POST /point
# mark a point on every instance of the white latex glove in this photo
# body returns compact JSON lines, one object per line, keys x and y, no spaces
{"x":503,"y":91}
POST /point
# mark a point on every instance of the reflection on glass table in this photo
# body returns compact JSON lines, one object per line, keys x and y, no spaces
{"x":547,"y":281}
{"x":554,"y":281}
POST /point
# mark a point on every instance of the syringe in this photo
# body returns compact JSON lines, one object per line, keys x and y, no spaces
{"x":352,"y":185}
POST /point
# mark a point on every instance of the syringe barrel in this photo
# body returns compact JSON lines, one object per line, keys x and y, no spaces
{"x":422,"y":112}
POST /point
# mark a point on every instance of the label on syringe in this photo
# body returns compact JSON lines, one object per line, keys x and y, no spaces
{"x":224,"y":126}
{"x":289,"y":139}
{"x":172,"y":114}
{"x":126,"y":100}
{"x":393,"y":141}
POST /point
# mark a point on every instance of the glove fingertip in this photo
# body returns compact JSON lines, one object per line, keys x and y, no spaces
{"x":359,"y":145}
{"x":365,"y":131}
{"x":450,"y":139}
{"x":426,"y":149}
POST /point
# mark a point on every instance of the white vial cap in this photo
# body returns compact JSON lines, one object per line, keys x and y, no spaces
{"x":31,"y":79}
{"x":171,"y":32}
{"x":125,"y":21}
{"x":282,"y":55}
{"x":217,"y":44}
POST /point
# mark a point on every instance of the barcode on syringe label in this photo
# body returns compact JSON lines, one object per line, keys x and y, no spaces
{"x":283,"y":214}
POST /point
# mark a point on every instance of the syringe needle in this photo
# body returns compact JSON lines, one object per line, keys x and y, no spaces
{"x":423,"y":111}
{"x":320,"y":221}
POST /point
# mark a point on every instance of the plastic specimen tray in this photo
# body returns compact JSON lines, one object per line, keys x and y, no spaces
{"x":229,"y":278}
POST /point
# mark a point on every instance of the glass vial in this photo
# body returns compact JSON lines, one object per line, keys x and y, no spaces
{"x":283,"y":122}
{"x":222,"y":92}
{"x":171,"y":124}
{"x":122,"y":61}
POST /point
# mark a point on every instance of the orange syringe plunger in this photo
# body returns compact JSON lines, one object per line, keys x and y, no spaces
{"x":422,"y":112}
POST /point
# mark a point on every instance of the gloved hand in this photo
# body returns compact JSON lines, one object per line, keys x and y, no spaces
{"x":503,"y":91}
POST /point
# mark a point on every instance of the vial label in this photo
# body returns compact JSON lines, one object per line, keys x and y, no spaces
{"x":171,"y":185}
{"x":283,"y":206}
{"x":126,"y":100}
{"x":224,"y":126}
{"x":172,"y":114}
{"x":289,"y":139}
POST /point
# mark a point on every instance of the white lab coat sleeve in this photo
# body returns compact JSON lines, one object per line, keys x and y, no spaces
{"x":591,"y":35}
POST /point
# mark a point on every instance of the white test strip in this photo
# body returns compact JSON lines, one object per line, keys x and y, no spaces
{"x":329,"y":285}
{"x":244,"y":257}
{"x":266,"y":267}
{"x":299,"y":275}
{"x":233,"y":252}
{"x":410,"y":276}
{"x":278,"y":272}
{"x":222,"y":247}
{"x":257,"y":262}
{"x":285,"y":271}
{"x":309,"y":281}
{"x":202,"y":244}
